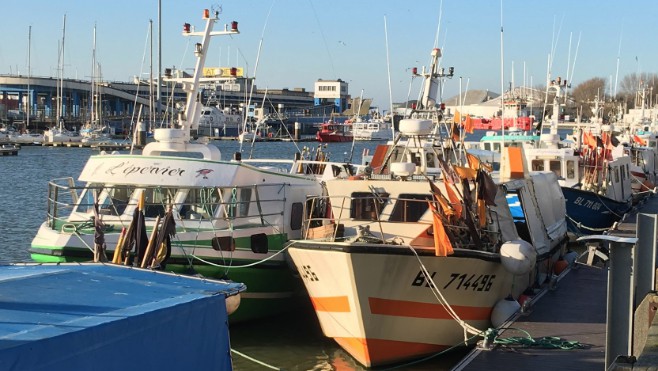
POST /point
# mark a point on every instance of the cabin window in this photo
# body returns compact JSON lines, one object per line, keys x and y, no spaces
{"x":571,"y":169}
{"x":617,"y":175}
{"x":156,"y":201}
{"x":555,"y":167}
{"x":515,"y":203}
{"x":537,"y":165}
{"x":367,"y":206}
{"x":410,"y":207}
{"x":112,"y":200}
{"x":496,"y":147}
{"x":200,"y":203}
{"x":296,"y":214}
{"x":429,"y":158}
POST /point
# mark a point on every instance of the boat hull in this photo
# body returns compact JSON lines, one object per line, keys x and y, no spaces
{"x":272,"y":288}
{"x":591,"y":213}
{"x":375,"y":302}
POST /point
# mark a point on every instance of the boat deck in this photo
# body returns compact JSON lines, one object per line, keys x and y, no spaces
{"x":575,"y":311}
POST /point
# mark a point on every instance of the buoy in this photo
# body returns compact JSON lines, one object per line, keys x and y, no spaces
{"x":518,"y":256}
{"x":503,"y":310}
{"x":571,"y":257}
{"x":560,"y":266}
{"x":232,"y":303}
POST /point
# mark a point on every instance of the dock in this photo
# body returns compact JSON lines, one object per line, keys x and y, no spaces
{"x":9,"y":150}
{"x":574,"y":310}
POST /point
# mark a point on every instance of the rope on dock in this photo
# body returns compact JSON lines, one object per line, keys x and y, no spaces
{"x":546,"y":342}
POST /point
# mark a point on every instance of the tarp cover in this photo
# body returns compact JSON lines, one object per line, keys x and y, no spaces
{"x":105,"y":317}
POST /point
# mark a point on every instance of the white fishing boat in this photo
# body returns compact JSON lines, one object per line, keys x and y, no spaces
{"x":232,"y":216}
{"x":420,"y":253}
{"x":373,"y":129}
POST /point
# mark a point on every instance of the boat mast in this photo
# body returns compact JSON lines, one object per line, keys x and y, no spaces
{"x":29,"y":76}
{"x":92,"y":118}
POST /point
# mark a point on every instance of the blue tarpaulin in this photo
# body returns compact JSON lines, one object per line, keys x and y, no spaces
{"x":107,"y":317}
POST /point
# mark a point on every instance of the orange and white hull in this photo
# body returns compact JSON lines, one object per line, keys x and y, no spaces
{"x":377,"y":304}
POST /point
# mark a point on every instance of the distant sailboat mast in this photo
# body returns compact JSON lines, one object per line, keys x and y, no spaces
{"x":29,"y":76}
{"x":60,"y":92}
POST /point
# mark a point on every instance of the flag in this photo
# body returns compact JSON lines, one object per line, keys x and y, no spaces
{"x":442,"y":244}
{"x":639,"y":140}
{"x":441,"y":200}
{"x":589,"y":140}
{"x":473,"y":232}
{"x":465,"y":172}
{"x":455,"y":132}
{"x":449,"y":174}
{"x":475,"y":163}
{"x":457,"y":118}
{"x":455,"y":201}
{"x":468,"y":124}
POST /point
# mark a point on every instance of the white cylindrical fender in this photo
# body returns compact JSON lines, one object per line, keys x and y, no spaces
{"x":503,"y":310}
{"x":518,"y":256}
{"x":232,"y":303}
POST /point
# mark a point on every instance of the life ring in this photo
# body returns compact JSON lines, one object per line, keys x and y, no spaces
{"x":355,"y":177}
{"x":270,"y":135}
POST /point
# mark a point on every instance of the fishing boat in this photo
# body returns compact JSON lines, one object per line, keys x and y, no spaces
{"x":515,"y":116}
{"x":232,"y":216}
{"x":372,"y":129}
{"x":331,"y":132}
{"x":594,"y":174}
{"x":92,"y":316}
{"x":421,"y":252}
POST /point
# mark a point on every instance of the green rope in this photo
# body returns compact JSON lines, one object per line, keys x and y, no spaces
{"x":546,"y":342}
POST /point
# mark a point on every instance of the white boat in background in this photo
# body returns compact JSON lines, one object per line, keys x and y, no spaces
{"x":420,"y":251}
{"x":233,"y":217}
{"x":61,"y":135}
{"x":372,"y":130}
{"x":27,"y":138}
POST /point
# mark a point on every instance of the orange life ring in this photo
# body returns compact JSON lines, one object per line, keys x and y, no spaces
{"x":355,"y":177}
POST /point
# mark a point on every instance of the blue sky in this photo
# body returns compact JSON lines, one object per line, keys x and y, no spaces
{"x":305,"y":40}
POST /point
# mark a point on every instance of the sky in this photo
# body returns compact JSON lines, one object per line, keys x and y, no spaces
{"x":293,"y":43}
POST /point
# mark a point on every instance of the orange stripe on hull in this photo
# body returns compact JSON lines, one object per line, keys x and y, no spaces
{"x":331,"y":304}
{"x":375,"y":352}
{"x":414,"y":309}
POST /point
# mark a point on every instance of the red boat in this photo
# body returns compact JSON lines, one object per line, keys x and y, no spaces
{"x":334,"y":132}
{"x":521,"y":123}
{"x":515,"y":115}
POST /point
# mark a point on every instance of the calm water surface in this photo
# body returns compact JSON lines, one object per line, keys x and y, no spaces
{"x":291,"y":342}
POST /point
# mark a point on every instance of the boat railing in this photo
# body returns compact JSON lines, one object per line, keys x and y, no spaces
{"x":336,"y":219}
{"x":71,"y":206}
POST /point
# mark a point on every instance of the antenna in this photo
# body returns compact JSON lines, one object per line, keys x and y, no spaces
{"x":502,"y":75}
{"x":390,"y":92}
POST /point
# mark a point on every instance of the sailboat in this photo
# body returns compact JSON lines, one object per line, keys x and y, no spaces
{"x":58,"y":133}
{"x":232,"y":217}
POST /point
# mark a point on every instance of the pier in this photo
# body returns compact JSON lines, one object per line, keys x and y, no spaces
{"x":574,"y":310}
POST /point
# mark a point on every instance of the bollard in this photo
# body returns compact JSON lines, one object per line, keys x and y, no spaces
{"x":619,"y":309}
{"x":647,"y":229}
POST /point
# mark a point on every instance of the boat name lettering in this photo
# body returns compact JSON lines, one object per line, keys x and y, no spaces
{"x":474,"y":282}
{"x":587,"y":203}
{"x":420,"y":280}
{"x":308,"y":274}
{"x":129,"y":169}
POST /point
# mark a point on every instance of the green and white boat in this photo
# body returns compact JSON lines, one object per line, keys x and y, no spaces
{"x":233,"y":218}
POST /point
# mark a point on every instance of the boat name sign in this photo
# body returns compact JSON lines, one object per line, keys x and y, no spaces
{"x":126,"y":169}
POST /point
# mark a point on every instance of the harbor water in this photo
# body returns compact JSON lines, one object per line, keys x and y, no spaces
{"x":290,"y":342}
